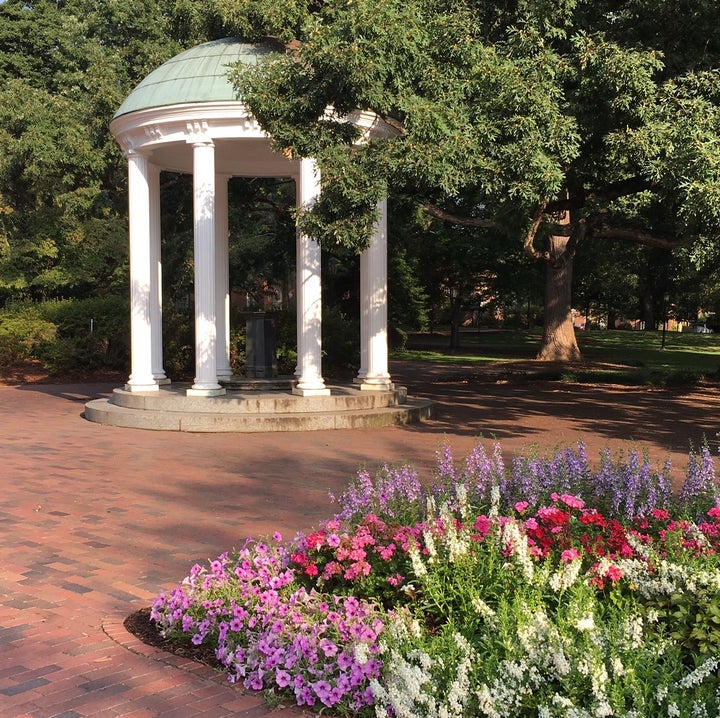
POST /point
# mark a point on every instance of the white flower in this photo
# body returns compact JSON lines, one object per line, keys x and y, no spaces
{"x":429,"y":541}
{"x":565,"y":576}
{"x":419,"y":567}
{"x":461,"y":495}
{"x":362,"y":656}
{"x":485,"y":612}
{"x":512,"y":536}
{"x":494,"y":501}
{"x":586,"y":623}
{"x":696,"y":677}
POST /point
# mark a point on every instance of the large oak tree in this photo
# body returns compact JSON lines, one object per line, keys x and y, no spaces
{"x":557,"y":122}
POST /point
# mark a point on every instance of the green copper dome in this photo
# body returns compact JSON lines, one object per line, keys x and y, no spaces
{"x":196,"y":75}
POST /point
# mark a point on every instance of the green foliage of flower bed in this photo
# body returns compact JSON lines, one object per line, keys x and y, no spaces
{"x":547,"y":587}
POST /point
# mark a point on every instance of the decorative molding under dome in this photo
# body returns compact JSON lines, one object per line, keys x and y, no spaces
{"x":166,"y":135}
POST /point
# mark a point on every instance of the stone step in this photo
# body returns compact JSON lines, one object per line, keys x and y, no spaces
{"x":342,"y":398}
{"x":104,"y":411}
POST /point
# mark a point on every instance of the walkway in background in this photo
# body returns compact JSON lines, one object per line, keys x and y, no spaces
{"x":94,"y":520}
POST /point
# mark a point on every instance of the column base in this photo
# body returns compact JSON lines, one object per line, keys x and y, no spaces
{"x":320,"y":391}
{"x":135,"y":385}
{"x":162,"y":381}
{"x":192,"y":391}
{"x":376,"y":385}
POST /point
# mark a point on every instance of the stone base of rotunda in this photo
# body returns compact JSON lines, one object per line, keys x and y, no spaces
{"x":170,"y":408}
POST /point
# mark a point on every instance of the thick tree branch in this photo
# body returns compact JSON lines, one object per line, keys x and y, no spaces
{"x":528,"y":244}
{"x":391,"y":121}
{"x":637,"y":236}
{"x":439,"y":213}
{"x":607,"y":193}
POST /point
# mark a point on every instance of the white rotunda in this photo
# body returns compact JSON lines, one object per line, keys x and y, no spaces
{"x":186,"y":117}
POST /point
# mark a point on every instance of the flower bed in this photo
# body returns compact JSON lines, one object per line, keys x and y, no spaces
{"x":544,"y":588}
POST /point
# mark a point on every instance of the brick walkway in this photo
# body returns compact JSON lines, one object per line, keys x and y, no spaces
{"x":94,"y":520}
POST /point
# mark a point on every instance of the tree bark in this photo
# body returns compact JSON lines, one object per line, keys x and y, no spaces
{"x":558,"y":341}
{"x":648,"y":311}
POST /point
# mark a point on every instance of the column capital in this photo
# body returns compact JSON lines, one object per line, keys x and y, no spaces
{"x":198,"y":134}
{"x":134,"y":153}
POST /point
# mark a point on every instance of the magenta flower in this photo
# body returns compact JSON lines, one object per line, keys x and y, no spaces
{"x":569,"y":555}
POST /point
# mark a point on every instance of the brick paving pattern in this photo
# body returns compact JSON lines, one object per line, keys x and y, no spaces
{"x":94,"y":520}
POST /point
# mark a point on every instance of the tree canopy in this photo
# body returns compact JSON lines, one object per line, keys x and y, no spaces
{"x":579,"y":119}
{"x":531,"y":125}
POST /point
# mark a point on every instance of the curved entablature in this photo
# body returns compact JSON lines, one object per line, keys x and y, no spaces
{"x":220,"y":120}
{"x":164,"y":134}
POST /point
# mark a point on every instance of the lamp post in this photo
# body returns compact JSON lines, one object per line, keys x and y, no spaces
{"x":666,"y":298}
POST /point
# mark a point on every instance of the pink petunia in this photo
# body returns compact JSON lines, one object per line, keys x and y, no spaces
{"x":569,"y":500}
{"x":569,"y":555}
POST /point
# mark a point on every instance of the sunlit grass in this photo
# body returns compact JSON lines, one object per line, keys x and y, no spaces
{"x":628,"y":357}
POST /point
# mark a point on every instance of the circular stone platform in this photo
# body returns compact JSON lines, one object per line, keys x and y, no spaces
{"x":170,"y":409}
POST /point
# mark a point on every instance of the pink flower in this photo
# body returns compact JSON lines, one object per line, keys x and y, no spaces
{"x":520,"y":506}
{"x":569,"y":554}
{"x":531,"y":524}
{"x":386,"y":552}
{"x":357,"y":569}
{"x":333,"y":540}
{"x":483,"y":526}
{"x":332,"y":568}
{"x":315,"y":540}
{"x":569,"y":500}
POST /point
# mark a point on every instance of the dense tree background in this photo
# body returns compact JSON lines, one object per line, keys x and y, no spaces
{"x":557,"y":124}
{"x":585,"y":135}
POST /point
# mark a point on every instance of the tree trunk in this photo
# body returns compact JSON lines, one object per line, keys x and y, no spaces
{"x":648,"y":313}
{"x":454,"y":322}
{"x":558,"y":341}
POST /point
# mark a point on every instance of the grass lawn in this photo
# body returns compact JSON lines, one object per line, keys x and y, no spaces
{"x":623,"y":357}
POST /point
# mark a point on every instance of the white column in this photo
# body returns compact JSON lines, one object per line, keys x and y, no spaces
{"x":222,"y":277}
{"x":373,"y":375}
{"x":156,"y":326}
{"x":206,"y":383}
{"x":309,"y":295}
{"x":365,"y":291}
{"x":141,"y":281}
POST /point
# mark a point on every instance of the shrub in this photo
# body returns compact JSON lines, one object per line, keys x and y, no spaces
{"x":20,"y":336}
{"x":91,"y":334}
